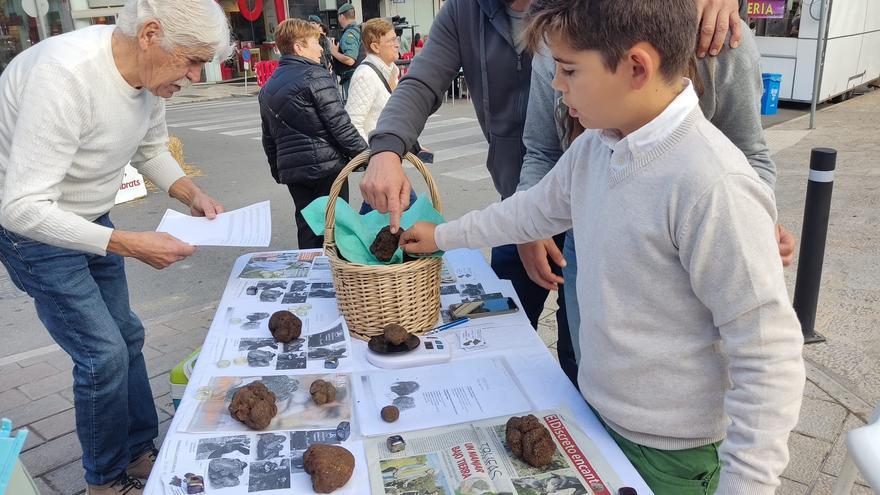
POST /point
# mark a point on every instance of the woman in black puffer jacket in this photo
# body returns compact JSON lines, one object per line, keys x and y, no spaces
{"x":307,"y":136}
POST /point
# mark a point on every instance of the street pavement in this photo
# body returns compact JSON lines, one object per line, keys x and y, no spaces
{"x":223,"y":153}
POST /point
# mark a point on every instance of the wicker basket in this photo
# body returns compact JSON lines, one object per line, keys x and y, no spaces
{"x":372,"y":296}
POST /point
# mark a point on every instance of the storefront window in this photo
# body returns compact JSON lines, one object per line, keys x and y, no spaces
{"x":18,"y":30}
{"x":776,"y":18}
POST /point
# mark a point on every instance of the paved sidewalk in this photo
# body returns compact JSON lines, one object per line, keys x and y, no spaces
{"x":843,"y":373}
{"x":36,"y":392}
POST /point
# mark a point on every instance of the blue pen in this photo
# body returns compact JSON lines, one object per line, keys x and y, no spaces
{"x":447,"y":326}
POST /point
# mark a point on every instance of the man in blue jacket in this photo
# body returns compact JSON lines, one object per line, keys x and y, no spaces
{"x":482,"y":37}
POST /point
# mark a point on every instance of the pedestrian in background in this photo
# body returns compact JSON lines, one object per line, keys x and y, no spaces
{"x":307,"y":136}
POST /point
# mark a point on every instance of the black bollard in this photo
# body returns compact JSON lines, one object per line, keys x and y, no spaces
{"x":813,"y":235}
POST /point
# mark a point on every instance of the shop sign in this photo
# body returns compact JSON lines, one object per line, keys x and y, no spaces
{"x":247,"y":12}
{"x":766,"y":9}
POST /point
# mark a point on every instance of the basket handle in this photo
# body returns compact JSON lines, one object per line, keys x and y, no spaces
{"x":362,"y":158}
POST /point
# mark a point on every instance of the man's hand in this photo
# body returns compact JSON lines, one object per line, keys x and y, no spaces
{"x":203,"y":205}
{"x":157,"y":249}
{"x":385,"y":186}
{"x":786,"y":241}
{"x":534,"y":256}
{"x":717,"y":17}
{"x":419,"y":239}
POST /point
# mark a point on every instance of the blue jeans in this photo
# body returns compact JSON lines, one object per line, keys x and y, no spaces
{"x":569,"y":273}
{"x":82,"y":299}
{"x":507,"y":265}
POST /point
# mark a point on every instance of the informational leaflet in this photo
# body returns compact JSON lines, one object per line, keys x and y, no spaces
{"x":280,"y":264}
{"x":474,"y":458}
{"x":439,"y":395}
{"x":253,"y":350}
{"x":296,"y":409}
{"x":248,"y":226}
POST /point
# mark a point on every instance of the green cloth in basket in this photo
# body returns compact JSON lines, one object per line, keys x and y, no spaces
{"x":355,"y":233}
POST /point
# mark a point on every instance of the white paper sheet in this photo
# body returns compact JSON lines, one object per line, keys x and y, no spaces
{"x":439,"y":395}
{"x":250,"y":226}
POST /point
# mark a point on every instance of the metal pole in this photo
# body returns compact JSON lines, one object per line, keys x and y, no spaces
{"x":820,"y":60}
{"x":813,"y":235}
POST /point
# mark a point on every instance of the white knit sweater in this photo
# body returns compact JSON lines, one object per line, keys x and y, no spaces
{"x":367,"y":95}
{"x":69,"y":123}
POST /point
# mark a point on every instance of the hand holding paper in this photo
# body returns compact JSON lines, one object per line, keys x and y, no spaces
{"x":250,"y":226}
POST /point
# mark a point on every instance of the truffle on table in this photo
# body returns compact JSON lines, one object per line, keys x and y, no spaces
{"x":254,"y":405}
{"x":285,"y":326}
{"x":330,"y":467}
{"x":385,"y":244}
{"x":530,"y":441}
{"x":322,"y":392}
{"x":390,"y":414}
{"x":395,"y":334}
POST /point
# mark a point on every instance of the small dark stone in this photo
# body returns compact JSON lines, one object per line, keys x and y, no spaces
{"x":395,"y":334}
{"x":322,"y":392}
{"x":395,"y":443}
{"x":390,"y":414}
{"x":385,"y":244}
{"x":285,"y":326}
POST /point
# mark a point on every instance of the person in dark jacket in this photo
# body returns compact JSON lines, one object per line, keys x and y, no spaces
{"x":307,"y":136}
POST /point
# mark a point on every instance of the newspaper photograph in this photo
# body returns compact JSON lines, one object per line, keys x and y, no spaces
{"x":296,"y":409}
{"x":474,"y":459}
{"x":280,"y":264}
{"x":260,"y":353}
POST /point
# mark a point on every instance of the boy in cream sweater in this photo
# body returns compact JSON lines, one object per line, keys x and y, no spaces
{"x":691,"y":351}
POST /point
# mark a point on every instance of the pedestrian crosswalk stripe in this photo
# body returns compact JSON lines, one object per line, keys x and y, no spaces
{"x":446,"y":136}
{"x":227,"y":125}
{"x":460,"y":151}
{"x":447,"y":123}
{"x":207,"y":121}
{"x":210,"y":105}
{"x":243,"y":132}
{"x":470,"y":174}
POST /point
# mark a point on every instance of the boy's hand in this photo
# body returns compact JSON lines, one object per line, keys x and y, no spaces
{"x":717,"y":17}
{"x":419,"y":239}
{"x":534,"y":256}
{"x":786,"y":241}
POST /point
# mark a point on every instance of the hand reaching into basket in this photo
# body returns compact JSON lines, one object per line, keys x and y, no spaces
{"x":419,"y":239}
{"x":385,"y":187}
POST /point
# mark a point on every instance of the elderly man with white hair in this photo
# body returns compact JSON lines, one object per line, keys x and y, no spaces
{"x":75,"y":109}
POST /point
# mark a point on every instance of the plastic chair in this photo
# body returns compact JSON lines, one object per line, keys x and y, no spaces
{"x":863,"y":455}
{"x":14,"y":479}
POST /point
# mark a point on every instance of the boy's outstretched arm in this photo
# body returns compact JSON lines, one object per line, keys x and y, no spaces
{"x":727,"y":244}
{"x":538,"y":213}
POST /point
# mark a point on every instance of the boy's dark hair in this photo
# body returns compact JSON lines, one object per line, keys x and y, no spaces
{"x":613,"y":26}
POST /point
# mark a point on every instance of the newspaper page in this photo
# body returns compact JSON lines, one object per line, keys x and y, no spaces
{"x":267,"y":463}
{"x":474,"y":458}
{"x":250,"y":348}
{"x":296,"y":409}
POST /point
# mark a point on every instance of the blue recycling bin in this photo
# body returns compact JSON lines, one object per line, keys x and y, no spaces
{"x":770,"y":97}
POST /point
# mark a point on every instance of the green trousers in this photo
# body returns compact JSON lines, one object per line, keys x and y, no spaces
{"x":674,"y":472}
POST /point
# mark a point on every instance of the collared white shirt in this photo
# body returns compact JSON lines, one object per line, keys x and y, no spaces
{"x":645,"y":138}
